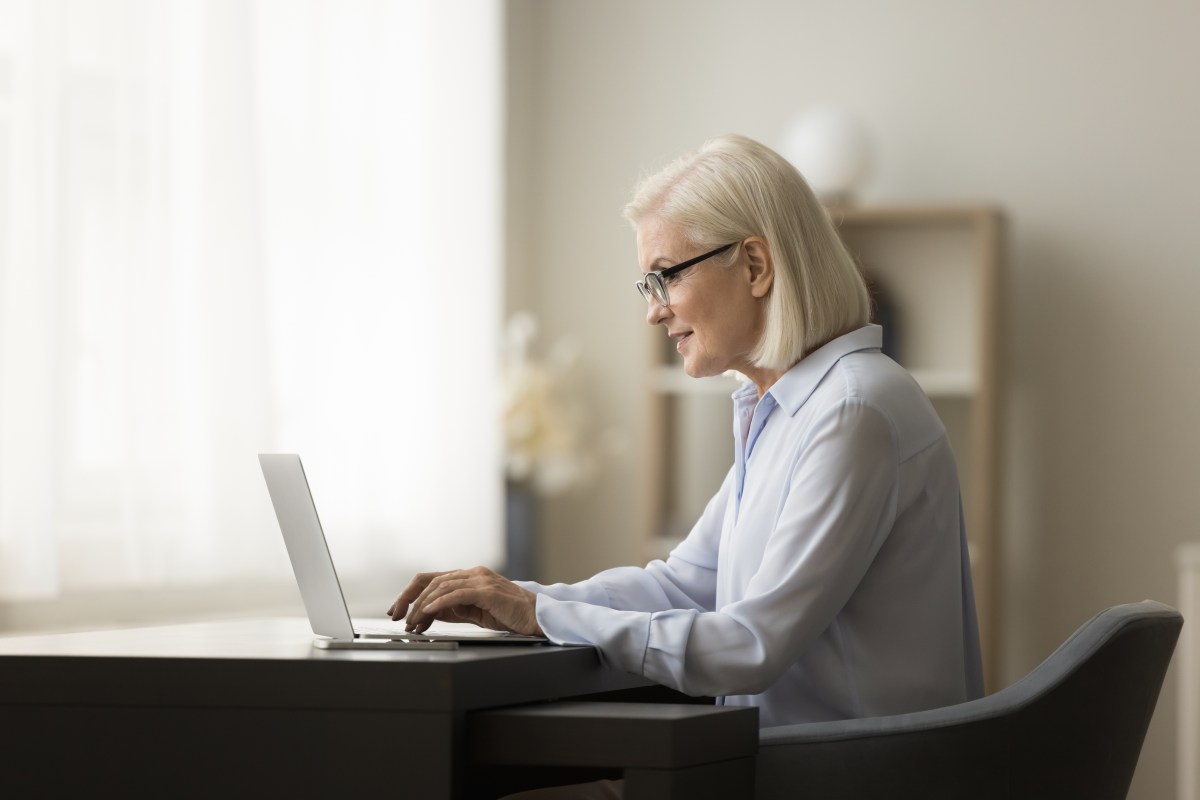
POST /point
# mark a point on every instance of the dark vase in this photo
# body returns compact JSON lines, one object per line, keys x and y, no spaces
{"x":520,"y":532}
{"x":884,"y":314}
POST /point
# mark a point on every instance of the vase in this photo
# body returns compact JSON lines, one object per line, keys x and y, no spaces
{"x":520,"y":532}
{"x":832,"y":151}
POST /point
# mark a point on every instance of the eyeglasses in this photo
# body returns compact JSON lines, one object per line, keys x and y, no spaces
{"x":654,"y":284}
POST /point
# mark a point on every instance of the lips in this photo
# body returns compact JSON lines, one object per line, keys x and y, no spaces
{"x":680,"y":338}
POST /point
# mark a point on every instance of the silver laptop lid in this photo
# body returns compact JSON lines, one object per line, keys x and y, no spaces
{"x":306,"y":546}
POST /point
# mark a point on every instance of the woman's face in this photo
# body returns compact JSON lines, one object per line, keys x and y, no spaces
{"x":715,"y":317}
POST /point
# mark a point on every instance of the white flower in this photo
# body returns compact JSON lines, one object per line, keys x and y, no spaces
{"x":543,"y":425}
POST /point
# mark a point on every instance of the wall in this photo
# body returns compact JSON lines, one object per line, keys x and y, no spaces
{"x":1079,"y":118}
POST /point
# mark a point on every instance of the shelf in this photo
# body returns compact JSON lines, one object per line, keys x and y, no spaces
{"x":671,"y":379}
{"x":946,"y":383}
{"x":659,"y":547}
{"x":936,"y":273}
{"x":914,"y":215}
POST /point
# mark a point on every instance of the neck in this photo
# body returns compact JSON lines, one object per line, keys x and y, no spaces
{"x":764,"y":379}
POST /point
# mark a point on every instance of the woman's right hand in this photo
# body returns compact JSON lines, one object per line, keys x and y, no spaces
{"x":479,"y":596}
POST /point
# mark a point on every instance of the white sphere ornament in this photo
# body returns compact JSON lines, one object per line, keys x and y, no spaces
{"x":831,"y":150}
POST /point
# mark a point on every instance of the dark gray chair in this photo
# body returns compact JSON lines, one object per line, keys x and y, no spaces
{"x":1072,"y":728}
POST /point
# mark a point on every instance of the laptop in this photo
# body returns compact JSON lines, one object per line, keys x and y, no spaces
{"x":322,"y":592}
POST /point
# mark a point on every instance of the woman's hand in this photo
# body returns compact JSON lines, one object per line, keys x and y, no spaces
{"x":477,"y":595}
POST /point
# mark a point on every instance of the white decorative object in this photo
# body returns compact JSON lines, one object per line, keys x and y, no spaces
{"x":544,"y":422}
{"x":832,"y":151}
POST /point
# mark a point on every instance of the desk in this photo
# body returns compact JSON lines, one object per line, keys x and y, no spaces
{"x":249,"y":708}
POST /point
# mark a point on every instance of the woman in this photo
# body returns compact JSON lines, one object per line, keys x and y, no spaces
{"x":828,"y":577}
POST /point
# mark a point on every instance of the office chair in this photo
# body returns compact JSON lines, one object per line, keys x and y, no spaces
{"x":1072,"y":728}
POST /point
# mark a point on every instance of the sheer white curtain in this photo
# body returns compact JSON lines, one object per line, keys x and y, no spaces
{"x":233,"y":226}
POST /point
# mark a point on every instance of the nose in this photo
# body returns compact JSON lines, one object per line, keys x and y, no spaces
{"x":656,"y":312}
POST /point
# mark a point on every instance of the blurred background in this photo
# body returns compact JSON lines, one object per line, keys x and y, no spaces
{"x":231,"y":227}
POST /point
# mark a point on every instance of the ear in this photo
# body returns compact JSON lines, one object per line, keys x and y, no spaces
{"x":759,"y":266}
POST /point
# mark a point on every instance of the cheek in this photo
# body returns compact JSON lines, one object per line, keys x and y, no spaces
{"x":725,"y":330}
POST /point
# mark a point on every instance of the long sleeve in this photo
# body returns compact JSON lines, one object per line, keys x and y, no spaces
{"x":835,"y":514}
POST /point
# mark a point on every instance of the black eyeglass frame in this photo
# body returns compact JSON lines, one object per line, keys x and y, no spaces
{"x":654,"y":284}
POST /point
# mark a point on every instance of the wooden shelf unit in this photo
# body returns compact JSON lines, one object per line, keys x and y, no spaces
{"x":941,"y":268}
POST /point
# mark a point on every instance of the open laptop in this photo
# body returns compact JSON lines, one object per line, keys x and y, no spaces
{"x":319,"y":585}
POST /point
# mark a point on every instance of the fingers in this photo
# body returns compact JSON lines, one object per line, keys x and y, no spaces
{"x":416,"y":586}
{"x":419,"y":612}
{"x":479,"y":596}
{"x":461,"y":595}
{"x":411,"y":597}
{"x":435,"y":599}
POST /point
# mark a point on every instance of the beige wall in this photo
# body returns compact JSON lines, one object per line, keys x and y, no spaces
{"x":1079,"y":118}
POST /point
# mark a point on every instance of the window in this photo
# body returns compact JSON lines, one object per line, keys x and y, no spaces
{"x":235,"y":228}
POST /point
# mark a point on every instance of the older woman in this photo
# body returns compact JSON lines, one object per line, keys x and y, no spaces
{"x":828,"y":577}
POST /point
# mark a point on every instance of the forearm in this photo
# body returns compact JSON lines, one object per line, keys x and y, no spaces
{"x":693,"y":652}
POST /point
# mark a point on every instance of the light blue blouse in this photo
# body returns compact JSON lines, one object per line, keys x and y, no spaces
{"x":827,"y":579}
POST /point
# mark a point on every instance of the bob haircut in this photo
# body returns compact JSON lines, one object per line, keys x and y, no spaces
{"x":734,"y":187}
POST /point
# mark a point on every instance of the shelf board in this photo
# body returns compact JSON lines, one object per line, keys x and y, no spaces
{"x":910,"y":215}
{"x":946,"y":383}
{"x":659,"y":547}
{"x":672,"y":380}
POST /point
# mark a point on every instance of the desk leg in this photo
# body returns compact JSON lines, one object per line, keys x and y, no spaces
{"x":723,"y":780}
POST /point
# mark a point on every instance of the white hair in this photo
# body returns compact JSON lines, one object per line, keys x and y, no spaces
{"x":733,"y":187}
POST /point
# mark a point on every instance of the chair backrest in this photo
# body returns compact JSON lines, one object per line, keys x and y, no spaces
{"x":1081,"y":716}
{"x":1072,"y":728}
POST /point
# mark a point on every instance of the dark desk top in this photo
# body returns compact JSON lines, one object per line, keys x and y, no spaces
{"x":271,"y":663}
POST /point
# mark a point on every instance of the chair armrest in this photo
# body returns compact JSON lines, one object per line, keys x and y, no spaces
{"x":913,"y":756}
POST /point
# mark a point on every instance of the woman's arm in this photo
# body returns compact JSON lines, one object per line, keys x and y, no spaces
{"x":479,"y":595}
{"x":838,"y":509}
